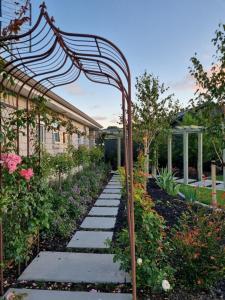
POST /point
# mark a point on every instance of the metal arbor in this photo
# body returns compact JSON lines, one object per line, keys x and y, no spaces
{"x":46,"y":57}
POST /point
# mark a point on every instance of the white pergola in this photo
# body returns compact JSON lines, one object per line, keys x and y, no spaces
{"x":185,"y":131}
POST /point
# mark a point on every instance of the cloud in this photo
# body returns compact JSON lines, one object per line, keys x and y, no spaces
{"x":74,"y":89}
{"x":99,"y":118}
{"x":186,"y":84}
{"x":95,"y":106}
{"x":114,"y":121}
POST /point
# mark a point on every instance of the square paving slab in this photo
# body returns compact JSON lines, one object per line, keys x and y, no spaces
{"x":64,"y":295}
{"x":90,"y":239}
{"x":115,"y":180}
{"x":113,"y":186}
{"x":98,"y":223}
{"x":104,"y":211}
{"x":111,"y":191}
{"x":108,"y":203}
{"x":74,"y":267}
{"x":110,"y":196}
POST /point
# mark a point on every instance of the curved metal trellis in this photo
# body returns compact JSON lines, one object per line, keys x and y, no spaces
{"x":46,"y":57}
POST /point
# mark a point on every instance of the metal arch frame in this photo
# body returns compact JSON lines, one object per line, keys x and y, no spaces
{"x":97,"y":58}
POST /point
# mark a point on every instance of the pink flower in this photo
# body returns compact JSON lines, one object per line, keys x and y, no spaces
{"x":27,"y":174}
{"x":10,"y":161}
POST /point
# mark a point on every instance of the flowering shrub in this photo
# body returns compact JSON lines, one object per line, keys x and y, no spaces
{"x":152,"y":262}
{"x":27,"y":174}
{"x":26,"y":211}
{"x":11,"y":161}
{"x":197,"y":249}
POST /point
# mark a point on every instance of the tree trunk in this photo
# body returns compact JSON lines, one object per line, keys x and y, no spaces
{"x":146,"y":155}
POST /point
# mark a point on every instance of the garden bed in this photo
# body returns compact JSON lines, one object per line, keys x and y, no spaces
{"x":51,"y":239}
{"x":171,"y":208}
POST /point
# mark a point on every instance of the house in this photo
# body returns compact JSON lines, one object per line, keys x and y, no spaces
{"x":56,"y":140}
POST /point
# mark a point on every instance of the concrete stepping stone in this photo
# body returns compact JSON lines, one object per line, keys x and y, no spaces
{"x":104,"y":211}
{"x":30,"y":294}
{"x":75,"y":268}
{"x":110,"y":196}
{"x":111,"y":191}
{"x":108,"y":203}
{"x":113,"y":186}
{"x":90,"y":239}
{"x":115,"y":180}
{"x":98,"y":223}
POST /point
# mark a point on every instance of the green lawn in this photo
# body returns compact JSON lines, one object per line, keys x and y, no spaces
{"x":202,"y":194}
{"x":219,"y":177}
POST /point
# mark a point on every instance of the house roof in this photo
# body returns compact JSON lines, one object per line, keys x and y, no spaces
{"x":53,"y":99}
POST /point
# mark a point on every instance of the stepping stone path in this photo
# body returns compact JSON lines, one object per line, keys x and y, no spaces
{"x":72,"y":267}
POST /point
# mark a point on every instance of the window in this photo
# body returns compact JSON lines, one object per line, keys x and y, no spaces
{"x":42,"y":134}
{"x":69,"y":140}
{"x":64,"y":137}
{"x":56,"y":137}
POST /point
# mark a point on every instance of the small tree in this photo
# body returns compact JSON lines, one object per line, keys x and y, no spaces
{"x":211,"y":92}
{"x":153,"y":112}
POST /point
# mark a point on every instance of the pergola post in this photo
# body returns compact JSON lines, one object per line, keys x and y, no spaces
{"x":185,"y":156}
{"x":224,"y":168}
{"x":200,"y":147}
{"x":169,"y":153}
{"x":118,"y":152}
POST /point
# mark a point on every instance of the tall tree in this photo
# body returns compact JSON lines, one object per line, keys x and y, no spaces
{"x":154,"y":110}
{"x":210,"y":94}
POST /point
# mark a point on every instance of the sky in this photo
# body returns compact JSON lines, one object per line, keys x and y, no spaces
{"x":159,"y":36}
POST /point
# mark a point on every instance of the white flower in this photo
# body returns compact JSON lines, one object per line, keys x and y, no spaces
{"x":10,"y":296}
{"x":139,"y":261}
{"x":166,"y":285}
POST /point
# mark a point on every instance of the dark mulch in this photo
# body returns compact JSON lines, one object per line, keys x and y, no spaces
{"x":168,"y":207}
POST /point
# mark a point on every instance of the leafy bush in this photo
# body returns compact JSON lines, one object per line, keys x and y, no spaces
{"x":96,"y":154}
{"x":152,"y":263}
{"x":191,"y":194}
{"x":26,"y":212}
{"x":166,"y":182}
{"x":197,"y":249}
